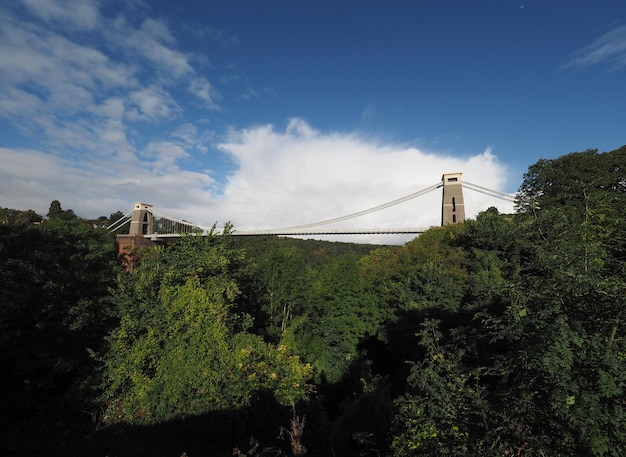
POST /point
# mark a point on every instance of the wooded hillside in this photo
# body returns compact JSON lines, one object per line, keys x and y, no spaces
{"x":501,"y":336}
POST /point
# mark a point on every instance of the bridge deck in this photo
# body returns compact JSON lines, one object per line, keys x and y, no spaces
{"x":305,"y":232}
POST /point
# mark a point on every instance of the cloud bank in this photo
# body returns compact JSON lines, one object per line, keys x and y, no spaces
{"x":301,"y":175}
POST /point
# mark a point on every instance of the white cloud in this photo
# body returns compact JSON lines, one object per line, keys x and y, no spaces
{"x":152,"y":103}
{"x":15,"y":102}
{"x":111,"y":108}
{"x":111,"y":134}
{"x":202,"y":89}
{"x":609,"y":49}
{"x":71,"y":73}
{"x":157,"y":30}
{"x":152,"y":43}
{"x":44,"y":58}
{"x":31,"y":179}
{"x":54,"y":86}
{"x":303,"y":176}
{"x":249,"y":94}
{"x":165,"y":155}
{"x":186,"y":134}
{"x":81,"y":14}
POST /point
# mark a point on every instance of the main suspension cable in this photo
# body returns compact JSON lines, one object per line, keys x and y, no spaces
{"x":367,"y":211}
{"x":490,"y":192}
{"x":121,"y":221}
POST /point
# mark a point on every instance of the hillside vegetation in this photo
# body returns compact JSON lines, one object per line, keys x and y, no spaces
{"x":502,"y":336}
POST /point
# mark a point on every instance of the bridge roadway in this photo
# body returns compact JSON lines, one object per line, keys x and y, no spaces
{"x":389,"y":231}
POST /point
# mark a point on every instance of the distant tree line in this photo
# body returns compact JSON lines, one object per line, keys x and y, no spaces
{"x":501,"y":336}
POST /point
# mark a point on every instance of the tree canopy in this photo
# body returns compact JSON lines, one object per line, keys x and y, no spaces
{"x":504,"y":335}
{"x":536,"y":365}
{"x":178,"y":350}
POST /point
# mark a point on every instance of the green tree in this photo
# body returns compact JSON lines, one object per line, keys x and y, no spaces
{"x":57,"y":213}
{"x":344,"y":311}
{"x":426,"y":272}
{"x":283,"y":285}
{"x":447,"y":409}
{"x":17,"y":217}
{"x":573,"y":182}
{"x":54,"y":308}
{"x":177,"y":351}
{"x":533,"y":362}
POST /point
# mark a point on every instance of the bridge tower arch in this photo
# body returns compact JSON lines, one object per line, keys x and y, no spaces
{"x":142,"y":221}
{"x":453,"y":206}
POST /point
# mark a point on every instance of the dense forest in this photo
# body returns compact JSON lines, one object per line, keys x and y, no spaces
{"x":502,"y":336}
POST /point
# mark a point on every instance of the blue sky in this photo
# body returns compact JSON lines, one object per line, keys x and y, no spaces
{"x":279,"y":113}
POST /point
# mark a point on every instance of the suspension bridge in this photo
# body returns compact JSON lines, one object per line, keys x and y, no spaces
{"x":147,"y":222}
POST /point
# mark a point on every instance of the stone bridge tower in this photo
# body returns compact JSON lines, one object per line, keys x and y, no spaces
{"x":142,"y":222}
{"x":453,"y":207}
